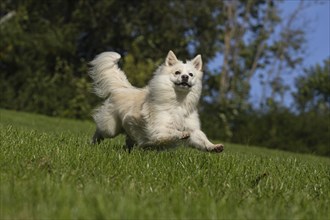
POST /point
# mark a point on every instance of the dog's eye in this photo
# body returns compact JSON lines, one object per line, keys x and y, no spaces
{"x":177,"y":72}
{"x":190,"y":74}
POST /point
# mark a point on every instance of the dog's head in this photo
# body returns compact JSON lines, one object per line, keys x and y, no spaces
{"x":186,"y":75}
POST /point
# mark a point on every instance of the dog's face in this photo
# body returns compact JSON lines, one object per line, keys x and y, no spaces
{"x":184,"y":76}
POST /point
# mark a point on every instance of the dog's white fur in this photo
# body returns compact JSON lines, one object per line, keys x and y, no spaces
{"x":160,"y":114}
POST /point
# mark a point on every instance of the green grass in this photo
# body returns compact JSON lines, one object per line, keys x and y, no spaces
{"x":50,"y":171}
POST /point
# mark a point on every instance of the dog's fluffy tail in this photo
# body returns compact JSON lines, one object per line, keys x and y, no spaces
{"x":106,"y":74}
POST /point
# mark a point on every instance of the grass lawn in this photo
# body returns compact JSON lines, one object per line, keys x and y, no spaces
{"x":49,"y":170}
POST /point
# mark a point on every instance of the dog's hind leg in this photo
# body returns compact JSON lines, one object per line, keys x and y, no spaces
{"x":129,"y":144}
{"x":97,"y":137}
{"x":107,"y":123}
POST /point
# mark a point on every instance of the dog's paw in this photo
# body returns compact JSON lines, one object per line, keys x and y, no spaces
{"x":185,"y":135}
{"x":218,"y":148}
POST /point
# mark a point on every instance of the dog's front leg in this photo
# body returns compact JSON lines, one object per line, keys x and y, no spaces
{"x":171,"y":136}
{"x":164,"y":136}
{"x":199,"y":140}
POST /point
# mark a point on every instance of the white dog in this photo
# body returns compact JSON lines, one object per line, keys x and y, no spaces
{"x":162,"y":114}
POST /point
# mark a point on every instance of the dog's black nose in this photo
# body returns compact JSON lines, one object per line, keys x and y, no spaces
{"x":184,"y":78}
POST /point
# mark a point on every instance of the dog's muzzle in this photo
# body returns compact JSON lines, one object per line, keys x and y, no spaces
{"x":184,"y":82}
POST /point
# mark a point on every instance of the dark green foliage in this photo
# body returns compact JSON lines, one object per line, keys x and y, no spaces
{"x":45,"y":46}
{"x":313,"y":89}
{"x":40,"y":71}
{"x":308,"y":133}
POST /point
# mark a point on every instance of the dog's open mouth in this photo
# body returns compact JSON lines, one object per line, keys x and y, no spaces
{"x":183,"y":84}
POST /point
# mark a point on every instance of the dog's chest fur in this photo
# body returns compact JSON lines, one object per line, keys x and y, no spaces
{"x":165,"y":116}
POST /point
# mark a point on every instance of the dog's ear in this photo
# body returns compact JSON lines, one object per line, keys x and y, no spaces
{"x":197,"y":62}
{"x":170,"y":59}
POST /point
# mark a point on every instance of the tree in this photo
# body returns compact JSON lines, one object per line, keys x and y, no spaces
{"x":254,"y":39}
{"x":313,"y":89}
{"x":46,"y":45}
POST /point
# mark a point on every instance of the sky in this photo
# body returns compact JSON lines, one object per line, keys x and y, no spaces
{"x":317,"y":45}
{"x":318,"y":40}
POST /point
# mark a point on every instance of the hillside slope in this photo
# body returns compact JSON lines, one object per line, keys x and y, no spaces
{"x":48,"y":169}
